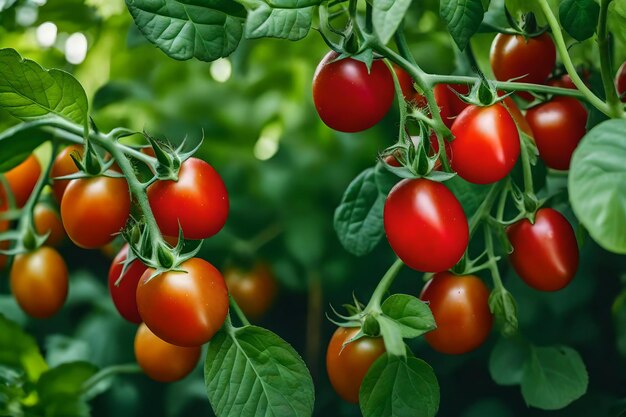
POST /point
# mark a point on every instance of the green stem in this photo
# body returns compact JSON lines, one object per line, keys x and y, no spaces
{"x":612,"y":99}
{"x":485,"y":207}
{"x":242,"y":317}
{"x":265,"y":236}
{"x":527,"y":170}
{"x":567,"y":61}
{"x":131,"y":368}
{"x":493,"y":262}
{"x":383,"y":286}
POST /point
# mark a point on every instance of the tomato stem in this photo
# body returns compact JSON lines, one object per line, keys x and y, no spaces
{"x":382,"y":287}
{"x":612,"y":99}
{"x":242,"y":317}
{"x":493,"y":260}
{"x":529,"y":189}
{"x":109,"y":371}
{"x":485,"y":207}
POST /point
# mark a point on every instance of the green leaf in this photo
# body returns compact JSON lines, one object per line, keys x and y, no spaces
{"x":287,"y":19}
{"x":5,"y":4}
{"x":65,"y":381}
{"x":399,"y":387}
{"x":412,"y":314}
{"x":391,"y":331}
{"x":385,"y":179}
{"x":359,"y":217}
{"x":507,"y":361}
{"x":252,"y":372}
{"x":19,"y":350}
{"x":596,"y":184}
{"x":28,"y":91}
{"x":186,"y":29}
{"x":579,"y":18}
{"x":469,"y":195}
{"x":19,"y":141}
{"x":554,"y":377}
{"x":387,"y":16}
{"x":463,"y":18}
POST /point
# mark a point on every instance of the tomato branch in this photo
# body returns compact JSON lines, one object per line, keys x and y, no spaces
{"x":383,"y":286}
{"x":613,"y":101}
{"x":242,"y":317}
{"x":108,"y":372}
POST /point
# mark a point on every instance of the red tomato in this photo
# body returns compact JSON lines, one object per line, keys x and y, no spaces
{"x":347,"y":365}
{"x":198,"y":201}
{"x":163,"y":361}
{"x":39,"y":282}
{"x":620,"y":82}
{"x":486,"y":144}
{"x":22,"y":180}
{"x":184,"y":308}
{"x":48,"y":219}
{"x":460,"y":306}
{"x":94,"y":210}
{"x":545,"y":254}
{"x":347,"y":97}
{"x":64,"y":165}
{"x":253,"y":289}
{"x":514,"y":56}
{"x":124,"y":295}
{"x":558,"y":125}
{"x":425,"y":225}
{"x":564,"y":81}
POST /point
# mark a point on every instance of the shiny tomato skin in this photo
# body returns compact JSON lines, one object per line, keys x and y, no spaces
{"x":94,"y":209}
{"x":185,"y":309}
{"x":486,"y":144}
{"x":425,"y":225}
{"x":198,"y":201}
{"x":620,"y":82}
{"x":163,"y":361}
{"x":460,"y":306}
{"x":253,"y":289}
{"x":347,"y":97}
{"x":64,"y":165}
{"x":528,"y":60}
{"x":48,"y":219}
{"x":39,"y":282}
{"x":545,"y":254}
{"x":22,"y":180}
{"x":347,"y":366}
{"x":124,"y":295}
{"x":558,"y":126}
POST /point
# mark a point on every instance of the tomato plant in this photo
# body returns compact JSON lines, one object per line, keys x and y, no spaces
{"x":64,"y":165}
{"x":124,"y":292}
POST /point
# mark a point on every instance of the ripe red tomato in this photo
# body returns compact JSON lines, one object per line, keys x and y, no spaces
{"x":545,"y":254}
{"x":39,"y":282}
{"x":253,"y":289}
{"x":22,"y":180}
{"x":347,"y":365}
{"x":198,"y":201}
{"x":486,"y":144}
{"x":94,"y":209}
{"x":184,"y":308}
{"x":564,"y":81}
{"x":620,"y":82}
{"x":163,"y":361}
{"x":460,"y":306}
{"x":64,"y":165}
{"x":558,"y":125}
{"x":48,"y":219}
{"x":514,"y":56}
{"x":124,"y":295}
{"x":425,"y":225}
{"x":347,"y":97}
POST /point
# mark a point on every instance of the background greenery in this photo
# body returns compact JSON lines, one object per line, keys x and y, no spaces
{"x":283,"y":166}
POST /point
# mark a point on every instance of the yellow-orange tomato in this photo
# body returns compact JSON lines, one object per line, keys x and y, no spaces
{"x":22,"y":179}
{"x":163,"y":361}
{"x":253,"y":289}
{"x":347,"y":365}
{"x":64,"y":165}
{"x":39,"y":282}
{"x":48,"y":219}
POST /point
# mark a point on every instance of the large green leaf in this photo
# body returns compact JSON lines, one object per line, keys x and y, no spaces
{"x":579,"y":17}
{"x":597,"y":185}
{"x":507,"y":361}
{"x":412,"y":314}
{"x":19,"y":350}
{"x":64,"y":381}
{"x":28,"y":91}
{"x":399,"y":387}
{"x":387,"y":16}
{"x":251,"y":372}
{"x":17,"y":142}
{"x":185,"y":29}
{"x":463,"y":18}
{"x":288,"y":19}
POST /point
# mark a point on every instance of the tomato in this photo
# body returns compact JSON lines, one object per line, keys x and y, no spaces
{"x":517,"y":116}
{"x":460,"y":306}
{"x":486,"y":144}
{"x":558,"y":125}
{"x":406,"y":84}
{"x":620,"y":82}
{"x":450,"y":105}
{"x":198,"y":201}
{"x":124,"y":295}
{"x":347,"y":97}
{"x":527,"y":60}
{"x":163,"y":361}
{"x":184,"y":308}
{"x":39,"y":282}
{"x":545,"y":254}
{"x":347,"y":365}
{"x":47,"y":220}
{"x":94,"y":210}
{"x":22,"y":180}
{"x":253,"y":289}
{"x":64,"y":165}
{"x":564,"y":81}
{"x":425,"y":225}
